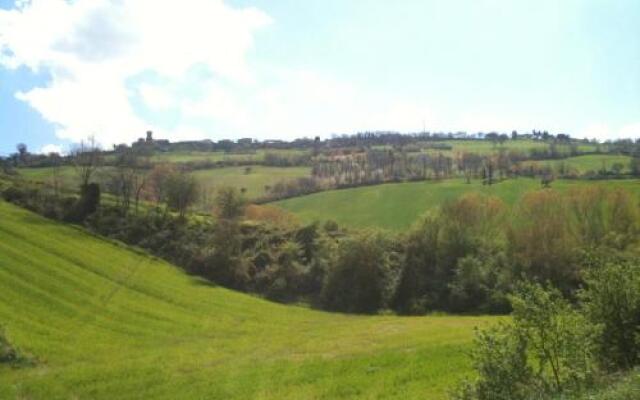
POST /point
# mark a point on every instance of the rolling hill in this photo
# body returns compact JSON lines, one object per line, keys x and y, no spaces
{"x":396,"y":206}
{"x":103,"y":321}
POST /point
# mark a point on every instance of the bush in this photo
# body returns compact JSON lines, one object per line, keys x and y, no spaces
{"x":612,"y":299}
{"x":548,"y":351}
{"x":500,"y":358}
{"x":283,"y":279}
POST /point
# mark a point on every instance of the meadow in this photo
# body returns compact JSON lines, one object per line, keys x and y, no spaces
{"x":488,"y":147}
{"x":253,"y":180}
{"x":586,"y":163}
{"x":396,"y":206}
{"x":215,"y":156}
{"x":103,"y":321}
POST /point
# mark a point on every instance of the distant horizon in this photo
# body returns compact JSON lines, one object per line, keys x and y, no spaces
{"x":439,"y":135}
{"x":228,"y":69}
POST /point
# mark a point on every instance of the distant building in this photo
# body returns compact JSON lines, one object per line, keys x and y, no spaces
{"x":150,"y":143}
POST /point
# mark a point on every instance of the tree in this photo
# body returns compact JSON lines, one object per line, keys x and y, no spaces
{"x":229,"y":203}
{"x":55,"y":172}
{"x":157,"y":181}
{"x":634,"y":165}
{"x":541,"y":242}
{"x":548,"y":351}
{"x":361,"y":279}
{"x":128,"y":178}
{"x":283,"y":279}
{"x":561,"y":339}
{"x":86,"y":160}
{"x":442,"y":251}
{"x":181,"y":191}
{"x":23,"y":153}
{"x":611,"y":299}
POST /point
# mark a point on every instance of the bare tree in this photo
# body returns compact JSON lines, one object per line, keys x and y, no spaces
{"x":86,"y":159}
{"x":128,"y":179}
{"x":55,"y":172}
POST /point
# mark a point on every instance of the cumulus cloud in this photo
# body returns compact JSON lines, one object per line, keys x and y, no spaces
{"x":93,"y":48}
{"x":98,"y":53}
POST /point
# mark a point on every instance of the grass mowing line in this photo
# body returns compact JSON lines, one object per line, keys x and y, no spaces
{"x":190,"y":341}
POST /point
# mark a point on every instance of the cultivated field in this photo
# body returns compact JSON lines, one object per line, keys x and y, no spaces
{"x":102,"y":321}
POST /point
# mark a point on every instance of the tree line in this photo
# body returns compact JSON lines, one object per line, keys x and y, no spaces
{"x":465,"y":256}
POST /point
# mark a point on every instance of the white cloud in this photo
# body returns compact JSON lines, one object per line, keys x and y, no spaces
{"x":91,"y":48}
{"x":156,"y":97}
{"x":630,"y":131}
{"x":94,"y":48}
{"x":51,"y":148}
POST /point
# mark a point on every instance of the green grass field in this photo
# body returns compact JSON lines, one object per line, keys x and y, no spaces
{"x":104,"y":322}
{"x":398,"y":205}
{"x":586,"y":163}
{"x":487,"y":147}
{"x":196,"y":156}
{"x":254,"y":182}
{"x":209,"y":179}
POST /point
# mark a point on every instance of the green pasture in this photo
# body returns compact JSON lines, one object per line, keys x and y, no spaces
{"x":101,"y":321}
{"x":398,"y":205}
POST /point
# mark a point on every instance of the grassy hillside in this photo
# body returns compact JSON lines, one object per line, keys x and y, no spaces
{"x":487,"y":146}
{"x":397,"y":205}
{"x":254,"y":181}
{"x":586,"y":163}
{"x":105,"y":322}
{"x":198,"y":156}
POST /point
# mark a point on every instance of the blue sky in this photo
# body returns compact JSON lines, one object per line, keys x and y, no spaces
{"x":285,"y":68}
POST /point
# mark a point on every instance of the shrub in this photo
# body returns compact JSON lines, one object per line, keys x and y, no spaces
{"x":500,"y":358}
{"x":612,"y":298}
{"x":547,"y":351}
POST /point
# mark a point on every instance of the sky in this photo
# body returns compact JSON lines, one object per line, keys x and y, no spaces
{"x":282,"y":69}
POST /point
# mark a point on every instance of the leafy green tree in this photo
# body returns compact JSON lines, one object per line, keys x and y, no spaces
{"x":225,"y":262}
{"x":561,"y":340}
{"x":361,"y":281}
{"x":181,"y":191}
{"x":439,"y":253}
{"x":548,"y":350}
{"x":284,"y":279}
{"x":230,"y":203}
{"x":612,"y":299}
{"x":501,"y":361}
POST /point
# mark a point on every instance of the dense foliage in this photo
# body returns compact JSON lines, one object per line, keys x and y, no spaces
{"x":553,"y":349}
{"x":466,"y":256}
